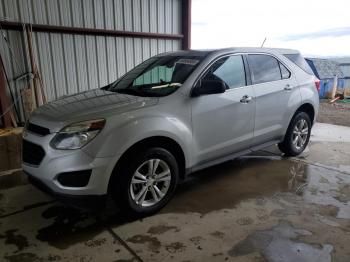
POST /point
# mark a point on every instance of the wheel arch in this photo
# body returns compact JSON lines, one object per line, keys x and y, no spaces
{"x":308,"y":109}
{"x":286,"y":144}
{"x":155,"y":141}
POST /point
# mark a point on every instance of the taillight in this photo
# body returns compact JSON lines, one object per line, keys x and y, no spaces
{"x":317,"y":84}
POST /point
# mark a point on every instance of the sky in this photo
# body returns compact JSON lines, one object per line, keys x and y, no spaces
{"x":315,"y":28}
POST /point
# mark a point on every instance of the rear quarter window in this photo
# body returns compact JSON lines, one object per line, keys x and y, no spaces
{"x":300,"y":61}
{"x":284,"y":72}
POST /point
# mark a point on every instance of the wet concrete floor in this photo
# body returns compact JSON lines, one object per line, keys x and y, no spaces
{"x":262,"y":207}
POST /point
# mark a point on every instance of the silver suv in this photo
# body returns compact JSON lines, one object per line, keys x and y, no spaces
{"x":174,"y":114}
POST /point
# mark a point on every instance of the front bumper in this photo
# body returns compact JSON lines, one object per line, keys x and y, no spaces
{"x":56,"y":162}
{"x":89,"y":202}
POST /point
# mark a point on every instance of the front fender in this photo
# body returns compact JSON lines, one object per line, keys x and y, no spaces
{"x":120,"y":138}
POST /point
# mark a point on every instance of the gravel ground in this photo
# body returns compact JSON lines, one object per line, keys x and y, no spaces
{"x":337,"y":113}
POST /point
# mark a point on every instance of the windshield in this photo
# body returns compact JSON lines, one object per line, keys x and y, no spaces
{"x":157,"y":76}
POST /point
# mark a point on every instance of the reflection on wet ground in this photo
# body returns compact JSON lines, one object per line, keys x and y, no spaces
{"x":259,"y":177}
{"x":225,"y":185}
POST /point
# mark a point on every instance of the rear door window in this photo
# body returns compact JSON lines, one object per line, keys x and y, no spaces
{"x":264,"y":68}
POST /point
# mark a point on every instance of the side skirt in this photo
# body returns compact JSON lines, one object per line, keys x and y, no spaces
{"x":229,"y":157}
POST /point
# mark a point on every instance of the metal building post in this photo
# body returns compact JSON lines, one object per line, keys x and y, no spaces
{"x":4,"y":102}
{"x":186,"y":23}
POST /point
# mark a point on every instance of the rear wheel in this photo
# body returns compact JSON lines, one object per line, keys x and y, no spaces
{"x":146,"y":181}
{"x":297,"y":136}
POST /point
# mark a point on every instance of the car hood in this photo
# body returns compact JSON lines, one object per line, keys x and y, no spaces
{"x":91,"y":104}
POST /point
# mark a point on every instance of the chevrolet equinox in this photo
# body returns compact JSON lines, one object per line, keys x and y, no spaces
{"x":173,"y":114}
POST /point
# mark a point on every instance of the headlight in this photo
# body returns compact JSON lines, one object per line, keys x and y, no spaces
{"x":77,"y":135}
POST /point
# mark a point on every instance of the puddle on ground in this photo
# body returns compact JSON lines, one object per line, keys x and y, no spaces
{"x":219,"y":187}
{"x":24,"y":257}
{"x":152,"y":243}
{"x":258,"y":176}
{"x":12,"y":237}
{"x":281,"y":244}
{"x":70,"y":226}
{"x":161,"y":229}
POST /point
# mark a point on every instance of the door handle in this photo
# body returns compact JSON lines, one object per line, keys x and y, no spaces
{"x":246,"y":99}
{"x":287,"y":87}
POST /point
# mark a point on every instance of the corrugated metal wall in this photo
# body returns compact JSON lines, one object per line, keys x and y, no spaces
{"x":73,"y":63}
{"x":326,"y":86}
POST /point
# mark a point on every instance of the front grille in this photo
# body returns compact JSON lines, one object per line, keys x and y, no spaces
{"x":42,"y":131}
{"x":32,"y":153}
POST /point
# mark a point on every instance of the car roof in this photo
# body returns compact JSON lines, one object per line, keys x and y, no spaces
{"x":205,"y":52}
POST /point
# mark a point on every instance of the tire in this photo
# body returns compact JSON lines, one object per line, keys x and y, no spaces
{"x":292,"y":145}
{"x":127,"y":188}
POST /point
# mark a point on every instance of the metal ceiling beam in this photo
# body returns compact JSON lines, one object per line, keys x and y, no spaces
{"x":87,"y":31}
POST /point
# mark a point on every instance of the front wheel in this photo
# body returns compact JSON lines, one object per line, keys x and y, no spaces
{"x":297,"y":136}
{"x":146,"y":181}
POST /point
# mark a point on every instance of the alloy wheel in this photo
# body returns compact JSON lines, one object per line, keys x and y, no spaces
{"x":300,"y":134}
{"x":150,"y":182}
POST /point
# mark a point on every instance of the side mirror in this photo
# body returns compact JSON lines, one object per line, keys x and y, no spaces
{"x":209,"y":87}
